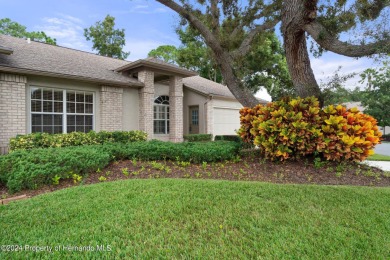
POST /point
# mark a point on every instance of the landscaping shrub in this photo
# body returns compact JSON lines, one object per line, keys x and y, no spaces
{"x":293,"y":128}
{"x":198,"y":137}
{"x":348,"y":134}
{"x":232,"y":138}
{"x":30,"y":169}
{"x":44,"y":140}
{"x":386,"y":137}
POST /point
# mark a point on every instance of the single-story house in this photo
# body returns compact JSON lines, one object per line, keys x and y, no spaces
{"x":53,"y":89}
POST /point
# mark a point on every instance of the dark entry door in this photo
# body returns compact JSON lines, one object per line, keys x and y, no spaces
{"x":194,"y":120}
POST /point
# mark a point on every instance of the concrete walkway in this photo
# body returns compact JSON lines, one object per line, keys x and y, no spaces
{"x":379,"y":164}
{"x":383,"y":148}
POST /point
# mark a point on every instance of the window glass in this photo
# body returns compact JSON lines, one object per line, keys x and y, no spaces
{"x":161,"y":115}
{"x":60,"y":111}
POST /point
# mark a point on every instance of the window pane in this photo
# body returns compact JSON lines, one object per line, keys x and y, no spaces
{"x":71,"y":129}
{"x":80,"y":97}
{"x":36,"y":106}
{"x":47,"y":94}
{"x":79,"y":128}
{"x":58,"y":95}
{"x":88,"y":108}
{"x":36,"y":93}
{"x":57,"y":130}
{"x":36,"y":129}
{"x":88,"y":128}
{"x":58,"y":107}
{"x":70,"y":96}
{"x":89,"y":98}
{"x":47,"y":129}
{"x":70,"y":107}
{"x":159,"y":127}
{"x":79,"y":120}
{"x":47,"y":106}
{"x":71,"y":120}
{"x":58,"y":120}
{"x":36,"y":120}
{"x":47,"y":120}
{"x":80,"y":108}
{"x":88,"y":120}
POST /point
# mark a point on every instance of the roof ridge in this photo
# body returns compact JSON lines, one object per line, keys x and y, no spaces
{"x":64,"y":47}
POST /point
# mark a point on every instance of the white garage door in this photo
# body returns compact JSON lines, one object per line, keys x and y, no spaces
{"x":226,"y":121}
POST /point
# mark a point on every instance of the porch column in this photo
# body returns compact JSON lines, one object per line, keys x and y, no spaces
{"x":146,"y":99}
{"x":175,"y":109}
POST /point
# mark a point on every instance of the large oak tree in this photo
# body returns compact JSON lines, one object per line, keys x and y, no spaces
{"x":220,"y":22}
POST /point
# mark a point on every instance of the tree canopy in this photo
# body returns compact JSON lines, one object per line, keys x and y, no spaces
{"x":9,"y":27}
{"x":376,"y":97}
{"x":107,"y":40}
{"x":230,"y":27}
{"x":264,"y":66}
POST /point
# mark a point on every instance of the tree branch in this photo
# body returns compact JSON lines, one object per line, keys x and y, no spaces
{"x":331,"y":43}
{"x":215,"y":17}
{"x":246,"y":43}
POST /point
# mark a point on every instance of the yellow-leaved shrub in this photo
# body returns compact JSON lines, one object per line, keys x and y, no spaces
{"x":294,"y":128}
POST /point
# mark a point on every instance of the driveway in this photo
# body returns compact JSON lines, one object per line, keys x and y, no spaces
{"x":383,"y":149}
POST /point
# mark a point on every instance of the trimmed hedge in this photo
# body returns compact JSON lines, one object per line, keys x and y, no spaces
{"x":30,"y":169}
{"x":44,"y":140}
{"x":386,"y":137}
{"x":198,"y":137}
{"x":232,"y":138}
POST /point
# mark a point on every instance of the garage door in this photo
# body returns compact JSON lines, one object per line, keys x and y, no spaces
{"x":226,"y":121}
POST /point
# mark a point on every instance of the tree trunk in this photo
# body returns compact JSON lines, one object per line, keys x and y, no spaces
{"x":294,"y":40}
{"x":234,"y":84}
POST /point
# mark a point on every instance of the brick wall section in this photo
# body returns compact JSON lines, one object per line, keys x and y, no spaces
{"x":111,"y":108}
{"x":146,"y":99}
{"x":175,"y":109}
{"x":12,"y":108}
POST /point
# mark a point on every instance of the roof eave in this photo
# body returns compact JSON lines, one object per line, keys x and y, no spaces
{"x":67,"y":76}
{"x":152,"y":65}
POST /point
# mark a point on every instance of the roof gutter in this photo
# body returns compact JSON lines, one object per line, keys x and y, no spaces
{"x":67,"y":76}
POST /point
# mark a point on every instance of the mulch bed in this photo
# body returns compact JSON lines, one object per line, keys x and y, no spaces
{"x":247,"y":168}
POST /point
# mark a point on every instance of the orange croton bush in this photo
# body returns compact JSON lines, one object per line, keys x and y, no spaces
{"x":294,"y":128}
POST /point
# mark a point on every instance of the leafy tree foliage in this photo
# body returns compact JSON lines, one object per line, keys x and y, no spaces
{"x":230,"y":27}
{"x":264,"y":66}
{"x":376,"y":97}
{"x":9,"y":27}
{"x":107,"y":40}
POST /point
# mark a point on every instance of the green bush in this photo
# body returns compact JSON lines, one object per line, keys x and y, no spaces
{"x":44,"y":140}
{"x":30,"y":169}
{"x":198,"y":137}
{"x":232,"y":138}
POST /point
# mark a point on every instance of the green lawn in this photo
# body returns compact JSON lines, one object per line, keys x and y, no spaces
{"x":378,"y":157}
{"x":203,"y":219}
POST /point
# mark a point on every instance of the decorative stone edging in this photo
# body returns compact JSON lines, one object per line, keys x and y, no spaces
{"x":6,"y":201}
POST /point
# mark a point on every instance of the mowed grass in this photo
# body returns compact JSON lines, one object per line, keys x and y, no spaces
{"x":203,"y":219}
{"x":378,"y":157}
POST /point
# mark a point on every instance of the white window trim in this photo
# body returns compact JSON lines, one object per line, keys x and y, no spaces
{"x":64,"y":113}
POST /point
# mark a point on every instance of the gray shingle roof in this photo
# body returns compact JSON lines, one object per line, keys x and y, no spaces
{"x":60,"y":61}
{"x":209,"y":87}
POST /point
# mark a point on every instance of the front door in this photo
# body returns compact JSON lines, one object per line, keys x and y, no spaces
{"x":194,"y":120}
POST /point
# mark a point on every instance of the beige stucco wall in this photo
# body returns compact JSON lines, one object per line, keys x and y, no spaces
{"x":192,"y":98}
{"x":130,"y":109}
